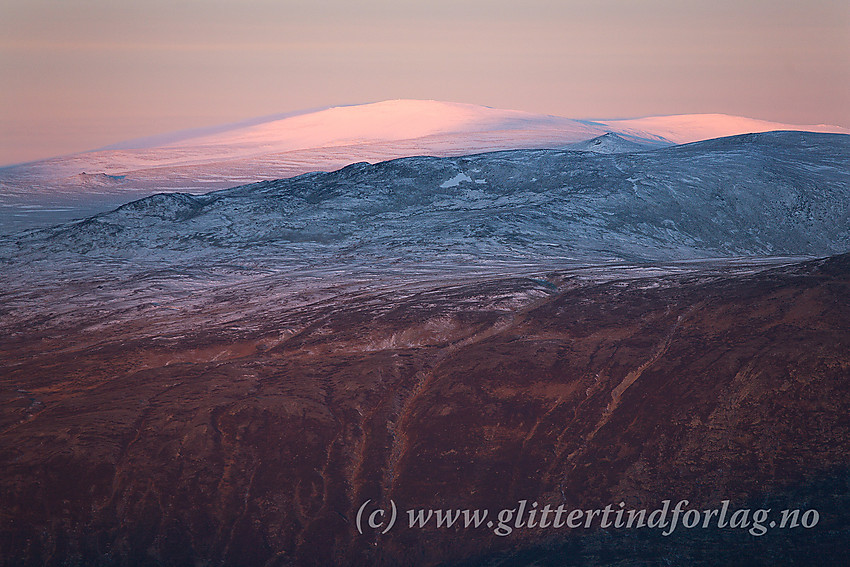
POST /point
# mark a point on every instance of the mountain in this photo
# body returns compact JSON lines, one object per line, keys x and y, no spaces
{"x":771,"y":194}
{"x":51,"y":191}
{"x":389,"y":121}
{"x":160,"y":419}
{"x":231,"y":378}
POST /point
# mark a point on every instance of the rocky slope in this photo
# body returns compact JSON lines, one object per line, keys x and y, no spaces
{"x":783,"y":193}
{"x":240,"y":429}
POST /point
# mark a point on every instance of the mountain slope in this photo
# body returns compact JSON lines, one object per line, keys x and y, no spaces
{"x":55,"y":190}
{"x":242,"y":424}
{"x":770,"y":194}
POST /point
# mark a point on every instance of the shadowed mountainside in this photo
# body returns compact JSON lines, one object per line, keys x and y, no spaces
{"x":219,"y":436}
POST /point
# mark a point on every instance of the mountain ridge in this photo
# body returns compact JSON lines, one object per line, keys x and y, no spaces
{"x":771,"y":194}
{"x":59,"y":189}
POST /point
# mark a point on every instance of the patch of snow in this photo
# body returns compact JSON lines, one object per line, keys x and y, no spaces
{"x":455,"y":181}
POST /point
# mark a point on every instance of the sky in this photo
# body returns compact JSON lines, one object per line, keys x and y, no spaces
{"x":77,"y":75}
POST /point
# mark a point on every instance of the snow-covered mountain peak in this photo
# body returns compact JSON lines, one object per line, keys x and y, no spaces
{"x":382,"y":122}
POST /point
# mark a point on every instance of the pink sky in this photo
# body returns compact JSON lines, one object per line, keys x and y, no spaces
{"x":82,"y":74}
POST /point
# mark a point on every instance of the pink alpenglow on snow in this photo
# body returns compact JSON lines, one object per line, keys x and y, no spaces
{"x":687,"y":128}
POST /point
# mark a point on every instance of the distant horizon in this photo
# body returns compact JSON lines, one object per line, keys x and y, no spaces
{"x":85,"y":74}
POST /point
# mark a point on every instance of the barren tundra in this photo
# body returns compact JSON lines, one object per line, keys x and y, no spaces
{"x":224,"y":379}
{"x":222,"y":437}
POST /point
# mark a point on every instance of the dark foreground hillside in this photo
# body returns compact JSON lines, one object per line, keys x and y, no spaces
{"x":244,"y":431}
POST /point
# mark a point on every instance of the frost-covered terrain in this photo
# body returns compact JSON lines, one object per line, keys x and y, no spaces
{"x":414,"y":221}
{"x":753,"y":195}
{"x":60,"y":189}
{"x":226,"y":377}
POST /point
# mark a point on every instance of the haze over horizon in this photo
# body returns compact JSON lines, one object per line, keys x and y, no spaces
{"x":85,"y":74}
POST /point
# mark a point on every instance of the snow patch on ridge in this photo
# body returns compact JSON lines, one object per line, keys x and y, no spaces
{"x":456,"y":180}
